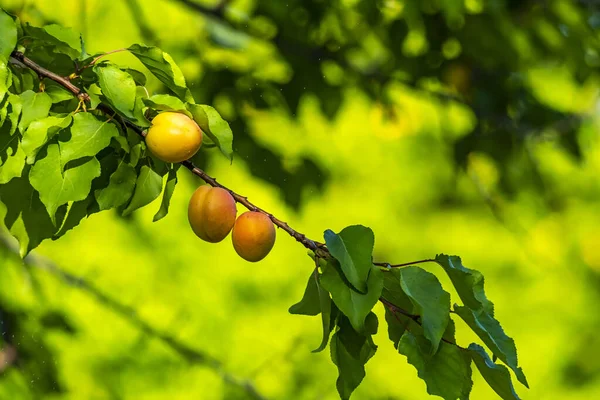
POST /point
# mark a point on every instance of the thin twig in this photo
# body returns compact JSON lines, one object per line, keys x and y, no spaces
{"x":388,"y":265}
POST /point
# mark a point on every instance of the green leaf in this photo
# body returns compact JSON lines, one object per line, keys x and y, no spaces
{"x":8,"y":33}
{"x":147,"y":188}
{"x":447,"y":373}
{"x":350,"y":351}
{"x":479,"y":311}
{"x":214,"y":126}
{"x":468,"y":283}
{"x":353,"y":248}
{"x":57,"y":188}
{"x":329,"y":313}
{"x":492,"y":334}
{"x":161,"y":65}
{"x":65,"y":35}
{"x":35,"y":106}
{"x":310,"y":303}
{"x":40,"y":132}
{"x":165,"y":102}
{"x":5,"y":79}
{"x":354,"y":305}
{"x":61,"y":39}
{"x":118,"y":87}
{"x":76,"y":213}
{"x":12,"y":157}
{"x":496,"y":375}
{"x":168,"y":193}
{"x":138,"y":77}
{"x":393,"y":293}
{"x":88,"y":135}
{"x":58,"y":94}
{"x":430,"y":301}
{"x":24,"y":215}
{"x":120,"y":188}
{"x":14,"y":109}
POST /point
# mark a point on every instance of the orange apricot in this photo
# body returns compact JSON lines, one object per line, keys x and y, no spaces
{"x":253,"y":236}
{"x":211,"y":213}
{"x":174,"y":137}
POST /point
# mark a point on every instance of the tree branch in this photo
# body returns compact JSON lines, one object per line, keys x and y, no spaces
{"x":190,"y":354}
{"x":318,"y":248}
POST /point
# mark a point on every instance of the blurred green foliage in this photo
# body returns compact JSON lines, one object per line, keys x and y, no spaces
{"x":466,"y":126}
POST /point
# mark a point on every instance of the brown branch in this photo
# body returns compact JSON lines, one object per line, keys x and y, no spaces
{"x":44,"y":73}
{"x":394,"y":309}
{"x":318,"y":248}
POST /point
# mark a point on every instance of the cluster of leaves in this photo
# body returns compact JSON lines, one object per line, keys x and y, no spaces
{"x":62,"y":159}
{"x":344,"y":290}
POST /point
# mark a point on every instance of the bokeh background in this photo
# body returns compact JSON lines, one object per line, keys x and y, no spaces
{"x":466,"y":127}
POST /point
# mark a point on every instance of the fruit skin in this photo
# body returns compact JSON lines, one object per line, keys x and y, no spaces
{"x":253,"y":236}
{"x":174,"y":137}
{"x":211,"y":213}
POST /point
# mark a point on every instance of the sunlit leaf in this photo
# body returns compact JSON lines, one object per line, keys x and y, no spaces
{"x":88,"y":135}
{"x":57,"y":187}
{"x":118,"y":87}
{"x":148,"y":187}
{"x":214,"y":126}
{"x":353,"y":248}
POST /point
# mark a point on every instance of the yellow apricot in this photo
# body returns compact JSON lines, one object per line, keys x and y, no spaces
{"x":253,"y":236}
{"x":174,"y":137}
{"x":211,"y":213}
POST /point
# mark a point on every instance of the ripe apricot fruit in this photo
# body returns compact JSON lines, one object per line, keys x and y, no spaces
{"x":174,"y":137}
{"x":253,"y":236}
{"x":211,"y":213}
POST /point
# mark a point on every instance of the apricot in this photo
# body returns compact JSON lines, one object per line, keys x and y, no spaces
{"x":253,"y":236}
{"x":174,"y":137}
{"x":211,"y":213}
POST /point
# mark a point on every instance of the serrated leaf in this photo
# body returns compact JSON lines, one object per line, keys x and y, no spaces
{"x":447,"y":373}
{"x":468,"y":283}
{"x":34,"y":106}
{"x":24,"y":215}
{"x":161,"y":65}
{"x":496,"y":375}
{"x":58,"y":94}
{"x":61,"y":39}
{"x":14,"y":109}
{"x":214,"y":126}
{"x":8,"y":33}
{"x":353,"y":248}
{"x":138,"y":77}
{"x":350,"y":351}
{"x":65,"y":35}
{"x":88,"y":135}
{"x":430,"y":301}
{"x":316,"y":301}
{"x":354,"y":305}
{"x":118,"y":87}
{"x":147,"y":188}
{"x":12,"y":157}
{"x":164,"y":102}
{"x":168,"y":193}
{"x":40,"y":132}
{"x":120,"y":188}
{"x":75,"y":214}
{"x":56,"y":187}
{"x":310,"y":303}
{"x":393,"y":293}
{"x":491,"y":333}
{"x":5,"y":79}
